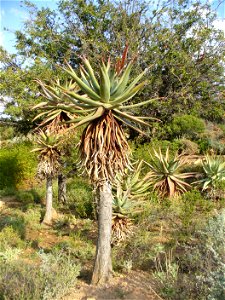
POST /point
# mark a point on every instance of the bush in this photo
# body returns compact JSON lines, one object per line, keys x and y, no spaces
{"x":80,"y":197}
{"x":144,"y":151}
{"x":27,"y":197}
{"x":32,"y":217}
{"x":18,"y":166}
{"x":16,"y":221}
{"x":189,"y":147}
{"x":78,"y":248}
{"x":186,"y":126}
{"x":10,"y":238}
{"x":52,"y":279}
{"x":202,"y":263}
{"x":192,"y":202}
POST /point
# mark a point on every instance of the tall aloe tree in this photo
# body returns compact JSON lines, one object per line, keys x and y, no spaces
{"x":104,"y":149}
{"x":48,"y":147}
{"x":54,"y":118}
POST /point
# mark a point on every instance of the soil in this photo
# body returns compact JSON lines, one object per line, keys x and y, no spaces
{"x":136,"y":285}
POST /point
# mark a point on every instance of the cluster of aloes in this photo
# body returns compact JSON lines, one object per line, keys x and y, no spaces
{"x":54,"y":130}
{"x":100,"y":104}
{"x":167,"y":178}
{"x":128,"y":192}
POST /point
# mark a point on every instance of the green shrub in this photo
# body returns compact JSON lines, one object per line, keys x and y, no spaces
{"x":10,"y":238}
{"x":189,"y":147}
{"x":18,"y":166}
{"x":80,"y":197}
{"x":25,"y":197}
{"x":77,"y":247}
{"x":29,"y":196}
{"x":32,"y":217}
{"x":192,"y":202}
{"x":202,"y":263}
{"x":52,"y":279}
{"x":16,"y":221}
{"x":146,"y":151}
{"x":186,"y":126}
{"x":214,"y":138}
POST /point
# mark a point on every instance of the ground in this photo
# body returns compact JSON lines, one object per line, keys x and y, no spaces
{"x":134,"y":285}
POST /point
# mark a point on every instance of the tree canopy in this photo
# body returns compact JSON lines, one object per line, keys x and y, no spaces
{"x":175,"y":40}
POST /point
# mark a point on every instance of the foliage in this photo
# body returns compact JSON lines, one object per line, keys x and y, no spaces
{"x":129,"y":190}
{"x":9,"y":238}
{"x":50,"y":280}
{"x":25,"y":196}
{"x":78,"y":247}
{"x":166,"y":273}
{"x":17,"y":166}
{"x":80,"y":197}
{"x":145,"y":151}
{"x":186,"y":126}
{"x":48,"y":147}
{"x":205,"y":261}
{"x":102,"y":107}
{"x":14,"y":220}
{"x":192,"y":202}
{"x":213,"y":172}
{"x":179,"y":42}
{"x":164,"y":174}
{"x":128,"y":194}
{"x":214,"y":138}
{"x":53,"y":111}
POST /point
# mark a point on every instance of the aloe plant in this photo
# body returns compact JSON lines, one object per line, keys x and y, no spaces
{"x":213,"y":172}
{"x":56,"y":111}
{"x":101,"y":104}
{"x":128,"y":194}
{"x":165,"y":174}
{"x":54,"y":118}
{"x":48,"y":147}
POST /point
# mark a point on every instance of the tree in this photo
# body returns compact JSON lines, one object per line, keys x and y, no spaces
{"x":104,"y":148}
{"x":54,"y":122}
{"x":187,"y":56}
{"x":176,"y":39}
{"x":48,"y":166}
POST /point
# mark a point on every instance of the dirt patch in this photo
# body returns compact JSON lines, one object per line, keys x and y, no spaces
{"x":134,"y":286}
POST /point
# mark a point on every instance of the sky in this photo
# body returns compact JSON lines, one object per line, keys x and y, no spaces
{"x":13,"y":14}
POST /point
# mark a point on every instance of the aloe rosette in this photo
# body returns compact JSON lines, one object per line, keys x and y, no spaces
{"x":100,"y":103}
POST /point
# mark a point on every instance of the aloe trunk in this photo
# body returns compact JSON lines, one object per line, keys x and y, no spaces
{"x":62,"y":189}
{"x":103,"y":263}
{"x":49,"y":196}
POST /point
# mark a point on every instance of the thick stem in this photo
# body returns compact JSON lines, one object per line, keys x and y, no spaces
{"x":48,"y":212}
{"x":62,"y":198}
{"x":103,"y":263}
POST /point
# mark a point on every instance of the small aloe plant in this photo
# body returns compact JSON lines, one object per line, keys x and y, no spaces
{"x":165,"y":174}
{"x":128,"y":194}
{"x":213,"y":172}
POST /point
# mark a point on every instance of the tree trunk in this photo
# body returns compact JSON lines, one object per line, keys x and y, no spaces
{"x":62,"y":188}
{"x":103,"y":263}
{"x":48,"y":212}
